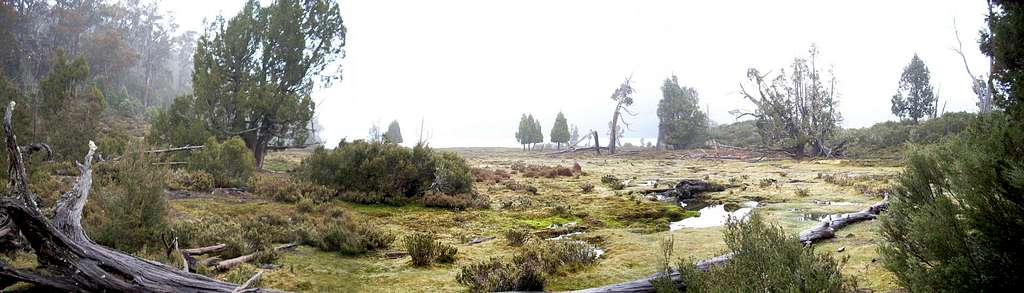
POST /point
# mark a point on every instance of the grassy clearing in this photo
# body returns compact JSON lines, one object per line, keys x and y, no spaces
{"x":622,"y":222}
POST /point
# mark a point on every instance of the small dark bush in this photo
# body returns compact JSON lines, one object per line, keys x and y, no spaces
{"x":587,"y":187}
{"x":612,"y":182}
{"x":191,"y":180}
{"x":490,"y":176}
{"x":286,"y":189}
{"x":344,"y":235}
{"x":516,"y":237}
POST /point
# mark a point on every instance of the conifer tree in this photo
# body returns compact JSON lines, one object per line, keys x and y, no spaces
{"x":681,"y":122}
{"x":915,"y":98}
{"x":560,"y":131}
{"x":394,"y":133}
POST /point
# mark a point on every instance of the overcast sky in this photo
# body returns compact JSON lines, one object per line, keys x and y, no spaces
{"x":470,"y":68}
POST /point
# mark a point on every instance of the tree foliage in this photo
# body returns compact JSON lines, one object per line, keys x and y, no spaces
{"x":70,"y":109}
{"x":228,"y":162}
{"x":681,"y":122}
{"x":765,"y":259}
{"x":560,"y":130}
{"x":953,"y":223}
{"x":1002,"y":42}
{"x":795,"y":111}
{"x":137,"y":56}
{"x":915,"y":98}
{"x":131,"y":205}
{"x":394,"y":133}
{"x":530,"y":132}
{"x":254,"y":73}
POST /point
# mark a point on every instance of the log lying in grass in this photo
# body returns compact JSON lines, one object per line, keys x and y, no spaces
{"x":687,"y":189}
{"x":826,"y":229}
{"x":68,"y":260}
{"x":204,"y":250}
{"x":828,"y":225}
{"x":230,"y":263}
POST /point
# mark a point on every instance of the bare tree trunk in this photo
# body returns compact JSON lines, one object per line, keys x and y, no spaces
{"x":613,"y":138}
{"x":597,"y":142}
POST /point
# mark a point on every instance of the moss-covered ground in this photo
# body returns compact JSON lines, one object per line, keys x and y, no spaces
{"x":628,"y":226}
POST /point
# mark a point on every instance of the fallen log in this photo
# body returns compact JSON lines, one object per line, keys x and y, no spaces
{"x":68,"y":260}
{"x":480,"y":240}
{"x":233,"y":262}
{"x":687,"y":189}
{"x":573,"y":150}
{"x":205,"y":250}
{"x":826,"y":229}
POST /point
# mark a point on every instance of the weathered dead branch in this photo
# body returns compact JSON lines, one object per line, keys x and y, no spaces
{"x":68,"y":260}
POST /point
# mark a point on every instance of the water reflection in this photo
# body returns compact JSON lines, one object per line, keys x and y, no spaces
{"x":713,"y":216}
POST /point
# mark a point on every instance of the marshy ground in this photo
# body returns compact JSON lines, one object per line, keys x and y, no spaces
{"x":625,"y":224}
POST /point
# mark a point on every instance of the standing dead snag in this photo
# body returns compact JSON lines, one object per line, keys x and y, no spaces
{"x":623,"y":99}
{"x":70,"y":261}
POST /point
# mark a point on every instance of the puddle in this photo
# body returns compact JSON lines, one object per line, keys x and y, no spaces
{"x":564,"y":236}
{"x":713,"y":216}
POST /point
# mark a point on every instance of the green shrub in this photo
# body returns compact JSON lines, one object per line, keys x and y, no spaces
{"x":386,"y":173}
{"x":455,"y":201}
{"x":765,"y":259}
{"x":954,"y":219}
{"x":288,"y":190}
{"x":346,"y":236}
{"x":528,"y":269}
{"x":191,"y":180}
{"x":802,"y":192}
{"x":445,"y":253}
{"x":613,"y":182}
{"x":516,"y":237}
{"x":231,"y":163}
{"x":587,"y":187}
{"x":131,"y":208}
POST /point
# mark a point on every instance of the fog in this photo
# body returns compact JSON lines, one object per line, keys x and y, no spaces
{"x":469,"y":69}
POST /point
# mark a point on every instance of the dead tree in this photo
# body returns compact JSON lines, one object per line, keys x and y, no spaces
{"x":68,"y":260}
{"x":623,"y":99}
{"x":979,"y":85}
{"x":795,"y":111}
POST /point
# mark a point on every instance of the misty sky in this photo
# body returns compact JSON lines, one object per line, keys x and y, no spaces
{"x":471,"y":68}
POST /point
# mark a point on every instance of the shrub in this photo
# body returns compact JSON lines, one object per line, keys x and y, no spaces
{"x":131,"y":208}
{"x":516,"y":237}
{"x":802,"y":192}
{"x":766,"y":260}
{"x":953,"y":222}
{"x":587,"y":187}
{"x":613,"y":182}
{"x":456,"y":201}
{"x":425,"y":249}
{"x":344,"y":235}
{"x":386,"y":173}
{"x":489,"y":176}
{"x":230,"y":162}
{"x":445,"y":253}
{"x":288,"y":190}
{"x":191,"y":180}
{"x":528,"y":268}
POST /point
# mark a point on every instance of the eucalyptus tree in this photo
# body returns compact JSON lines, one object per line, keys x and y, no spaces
{"x":623,"y":97}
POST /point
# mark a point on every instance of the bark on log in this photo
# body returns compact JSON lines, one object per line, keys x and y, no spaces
{"x":230,"y":263}
{"x":205,"y":250}
{"x":826,"y":229}
{"x":68,"y":260}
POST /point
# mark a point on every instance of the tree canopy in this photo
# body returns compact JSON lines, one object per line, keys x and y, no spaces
{"x":254,"y":72}
{"x":530,"y":131}
{"x":681,"y":123}
{"x":797,"y":110}
{"x":915,"y":98}
{"x":394,"y":133}
{"x":560,"y":130}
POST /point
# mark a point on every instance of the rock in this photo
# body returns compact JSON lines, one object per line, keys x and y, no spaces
{"x":849,"y":235}
{"x":841,"y":249}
